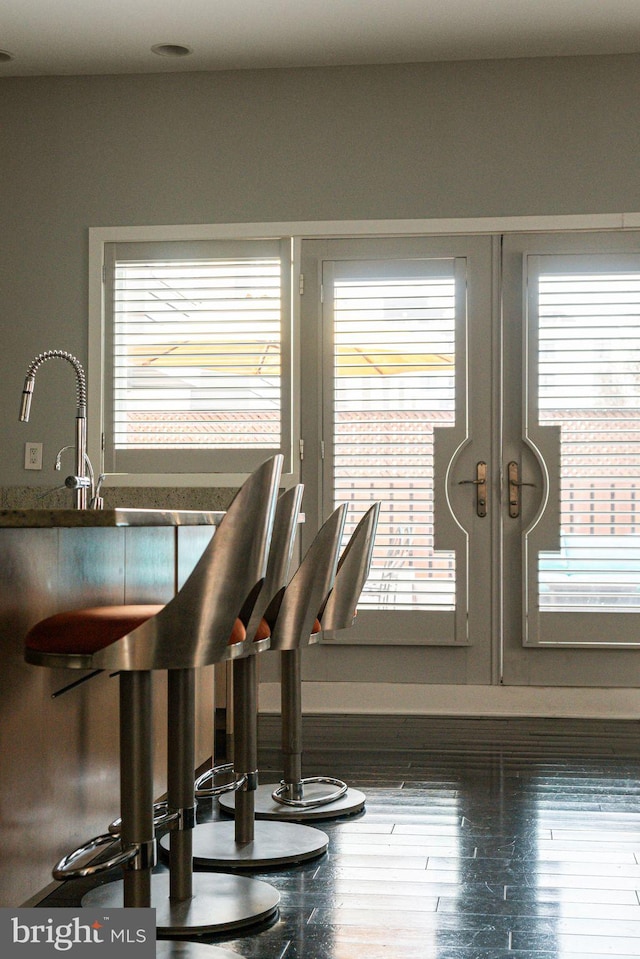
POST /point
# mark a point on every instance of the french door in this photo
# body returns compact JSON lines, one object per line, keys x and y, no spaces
{"x":571,"y":423}
{"x":487,"y":391}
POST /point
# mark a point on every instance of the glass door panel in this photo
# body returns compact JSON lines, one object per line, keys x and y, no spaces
{"x":396,"y":424}
{"x":394,"y":356}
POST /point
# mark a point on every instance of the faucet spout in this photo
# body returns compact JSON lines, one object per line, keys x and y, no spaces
{"x":81,"y":412}
{"x":27,"y":393}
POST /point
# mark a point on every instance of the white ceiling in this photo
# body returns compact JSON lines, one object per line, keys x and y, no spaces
{"x":49,"y":37}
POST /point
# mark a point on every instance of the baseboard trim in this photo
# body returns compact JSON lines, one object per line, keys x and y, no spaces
{"x":448,"y":700}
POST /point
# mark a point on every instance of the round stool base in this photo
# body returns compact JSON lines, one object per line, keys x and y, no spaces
{"x":267,"y":808}
{"x":274,"y":844}
{"x":184,"y":949}
{"x":219,"y":903}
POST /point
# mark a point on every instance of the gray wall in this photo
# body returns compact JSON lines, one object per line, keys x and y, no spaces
{"x":548,"y":136}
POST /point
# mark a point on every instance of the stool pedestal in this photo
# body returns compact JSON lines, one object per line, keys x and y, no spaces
{"x":314,"y":792}
{"x":266,"y":806}
{"x":273,"y":844}
{"x":219,"y":904}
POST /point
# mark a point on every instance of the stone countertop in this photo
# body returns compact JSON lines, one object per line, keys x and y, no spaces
{"x":86,"y":518}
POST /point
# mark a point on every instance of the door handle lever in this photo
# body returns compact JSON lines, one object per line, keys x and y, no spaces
{"x":480,"y":483}
{"x":514,"y":489}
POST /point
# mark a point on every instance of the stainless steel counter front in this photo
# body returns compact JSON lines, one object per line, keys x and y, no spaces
{"x":59,"y":772}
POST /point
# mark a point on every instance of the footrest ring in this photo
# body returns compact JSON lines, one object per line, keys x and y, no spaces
{"x":162,"y":818}
{"x":65,"y":869}
{"x":210,"y":792}
{"x":279,"y":794}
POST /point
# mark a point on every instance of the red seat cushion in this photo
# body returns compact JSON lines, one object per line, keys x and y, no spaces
{"x":238,"y":633}
{"x":85,"y":631}
{"x":263,"y":631}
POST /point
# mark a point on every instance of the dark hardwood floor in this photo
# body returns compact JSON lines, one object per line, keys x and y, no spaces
{"x":480,"y":839}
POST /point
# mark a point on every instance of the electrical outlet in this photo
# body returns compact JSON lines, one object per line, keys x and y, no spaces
{"x":33,"y":456}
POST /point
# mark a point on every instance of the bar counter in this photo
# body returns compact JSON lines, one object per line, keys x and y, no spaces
{"x":90,"y":518}
{"x":59,"y":772}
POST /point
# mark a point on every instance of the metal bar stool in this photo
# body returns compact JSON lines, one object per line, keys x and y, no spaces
{"x":280,"y":555}
{"x":292,"y":617}
{"x":207,"y":615}
{"x":317,"y":797}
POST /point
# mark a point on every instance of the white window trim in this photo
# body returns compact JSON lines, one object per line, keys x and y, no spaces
{"x":298,"y":231}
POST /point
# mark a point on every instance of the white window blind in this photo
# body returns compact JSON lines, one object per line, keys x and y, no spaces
{"x":589,"y":384}
{"x":394,"y":345}
{"x":197,"y":357}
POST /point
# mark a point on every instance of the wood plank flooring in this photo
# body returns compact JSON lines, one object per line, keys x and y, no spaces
{"x":480,"y":839}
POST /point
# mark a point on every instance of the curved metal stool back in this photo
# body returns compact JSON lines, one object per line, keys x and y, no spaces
{"x":353,"y":571}
{"x":283,"y":540}
{"x":193,"y":629}
{"x":291,"y":616}
{"x":294,"y":622}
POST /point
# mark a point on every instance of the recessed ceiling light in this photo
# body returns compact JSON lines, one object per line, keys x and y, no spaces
{"x":5,"y":56}
{"x":171,"y":50}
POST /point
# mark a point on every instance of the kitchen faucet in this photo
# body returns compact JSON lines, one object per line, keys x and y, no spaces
{"x":81,"y":482}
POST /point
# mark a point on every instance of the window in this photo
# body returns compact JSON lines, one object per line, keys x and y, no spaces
{"x":422,"y":363}
{"x":197,"y":356}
